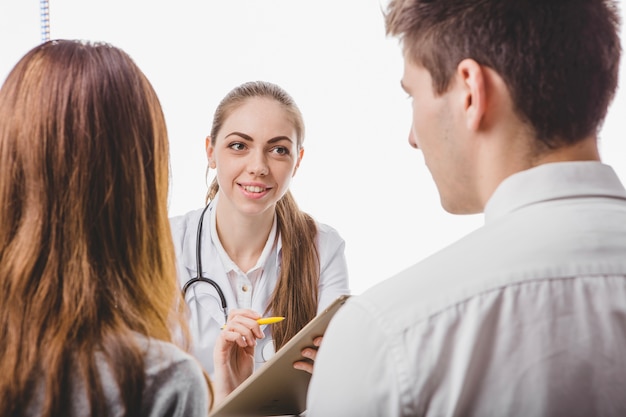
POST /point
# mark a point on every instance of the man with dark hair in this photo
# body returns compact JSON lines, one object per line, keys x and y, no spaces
{"x":526,"y":316}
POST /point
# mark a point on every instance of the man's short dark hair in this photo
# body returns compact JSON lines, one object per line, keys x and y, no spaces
{"x":559,"y":58}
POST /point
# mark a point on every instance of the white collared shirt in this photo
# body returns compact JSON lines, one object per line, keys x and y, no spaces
{"x":526,"y":316}
{"x":205,"y":313}
{"x":242,"y":283}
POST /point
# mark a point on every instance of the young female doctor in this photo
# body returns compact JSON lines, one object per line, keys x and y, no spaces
{"x":251,"y":252}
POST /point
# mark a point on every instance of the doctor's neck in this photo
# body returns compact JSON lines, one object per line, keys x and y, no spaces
{"x":243,"y":237}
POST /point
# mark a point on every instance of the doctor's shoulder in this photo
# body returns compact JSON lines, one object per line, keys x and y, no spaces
{"x":184,"y":227}
{"x":328,"y":238}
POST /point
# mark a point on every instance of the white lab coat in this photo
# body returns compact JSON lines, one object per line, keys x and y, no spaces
{"x":206,"y":314}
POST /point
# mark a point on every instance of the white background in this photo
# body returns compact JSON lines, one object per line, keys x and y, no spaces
{"x":359,"y":174}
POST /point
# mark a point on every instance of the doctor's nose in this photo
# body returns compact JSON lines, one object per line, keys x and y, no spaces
{"x":257,"y":165}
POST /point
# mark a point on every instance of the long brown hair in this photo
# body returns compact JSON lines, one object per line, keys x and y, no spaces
{"x":296,"y":294}
{"x":86,"y":254}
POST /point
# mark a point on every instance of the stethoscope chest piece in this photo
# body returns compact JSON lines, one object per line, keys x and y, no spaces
{"x":268,"y":350}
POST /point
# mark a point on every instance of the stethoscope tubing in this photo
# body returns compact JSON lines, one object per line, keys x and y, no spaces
{"x":199,"y":277}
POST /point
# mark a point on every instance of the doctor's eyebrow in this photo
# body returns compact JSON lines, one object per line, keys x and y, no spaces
{"x":241,"y":135}
{"x":250,"y":139}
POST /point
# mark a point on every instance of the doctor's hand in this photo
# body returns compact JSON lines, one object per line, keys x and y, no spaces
{"x":309,"y":353}
{"x":233,"y":356}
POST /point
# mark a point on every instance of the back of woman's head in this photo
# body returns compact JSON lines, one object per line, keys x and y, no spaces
{"x":86,"y":257}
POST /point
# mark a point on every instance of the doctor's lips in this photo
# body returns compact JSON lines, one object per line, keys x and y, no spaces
{"x":254,"y":188}
{"x":266,"y":320}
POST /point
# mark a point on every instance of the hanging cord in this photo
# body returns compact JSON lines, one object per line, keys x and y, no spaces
{"x":45,"y":20}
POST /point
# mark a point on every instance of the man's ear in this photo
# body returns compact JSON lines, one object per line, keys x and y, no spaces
{"x":210,"y":152}
{"x":472,"y":76}
{"x":300,"y":155}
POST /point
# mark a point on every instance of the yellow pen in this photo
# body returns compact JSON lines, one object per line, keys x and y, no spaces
{"x":267,"y":320}
{"x":270,"y":320}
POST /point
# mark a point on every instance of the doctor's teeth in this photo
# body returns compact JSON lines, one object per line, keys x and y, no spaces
{"x":253,"y":189}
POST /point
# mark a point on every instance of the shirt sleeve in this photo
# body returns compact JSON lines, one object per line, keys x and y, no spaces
{"x":333,"y":266}
{"x":176,"y":390}
{"x":354,"y":372}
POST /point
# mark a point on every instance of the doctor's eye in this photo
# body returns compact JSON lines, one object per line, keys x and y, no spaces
{"x":280,"y":150}
{"x":237,"y":146}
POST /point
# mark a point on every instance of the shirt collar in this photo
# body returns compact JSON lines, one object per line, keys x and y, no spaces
{"x":553,"y":181}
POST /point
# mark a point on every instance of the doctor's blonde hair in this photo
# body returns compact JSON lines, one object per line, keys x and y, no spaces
{"x":86,"y":253}
{"x":296,"y":294}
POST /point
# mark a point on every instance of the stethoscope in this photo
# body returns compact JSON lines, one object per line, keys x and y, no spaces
{"x":268,"y":349}
{"x":199,"y":277}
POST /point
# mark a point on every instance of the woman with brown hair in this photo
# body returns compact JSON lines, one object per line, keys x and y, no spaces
{"x":251,"y":251}
{"x":87,"y":268}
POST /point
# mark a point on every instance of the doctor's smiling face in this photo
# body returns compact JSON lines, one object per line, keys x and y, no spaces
{"x":256,"y":152}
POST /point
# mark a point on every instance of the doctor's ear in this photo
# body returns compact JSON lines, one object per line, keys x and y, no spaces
{"x":300,"y":155}
{"x":210,"y":151}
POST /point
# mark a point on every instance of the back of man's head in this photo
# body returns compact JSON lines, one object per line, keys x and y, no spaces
{"x":559,"y":58}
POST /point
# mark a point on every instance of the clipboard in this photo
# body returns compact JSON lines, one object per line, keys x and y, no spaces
{"x":277,"y":388}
